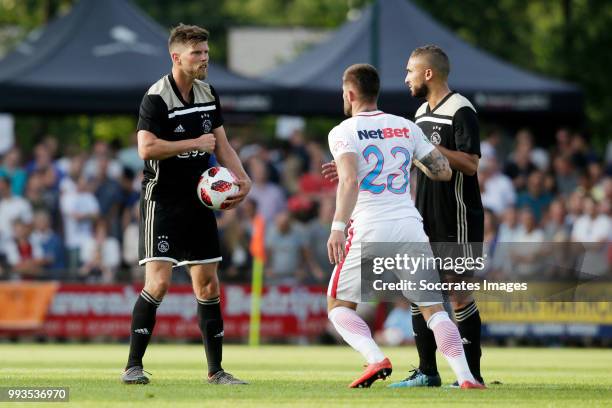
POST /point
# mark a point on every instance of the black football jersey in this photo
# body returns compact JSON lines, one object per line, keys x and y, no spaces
{"x":452,"y":210}
{"x":164,"y":113}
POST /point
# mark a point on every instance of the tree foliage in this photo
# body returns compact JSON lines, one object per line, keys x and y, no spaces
{"x":567,"y":39}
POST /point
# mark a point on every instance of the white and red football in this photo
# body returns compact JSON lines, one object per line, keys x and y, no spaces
{"x":215,"y":185}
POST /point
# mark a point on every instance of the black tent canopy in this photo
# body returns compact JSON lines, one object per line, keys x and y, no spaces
{"x":101,"y":57}
{"x":388,"y":31}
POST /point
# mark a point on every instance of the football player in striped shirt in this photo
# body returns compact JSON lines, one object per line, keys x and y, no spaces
{"x":452,"y":210}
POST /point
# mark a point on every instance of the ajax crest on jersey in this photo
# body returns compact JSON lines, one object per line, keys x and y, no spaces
{"x":435,"y":138}
{"x":206,"y":125}
{"x":215,"y":186}
{"x":163,"y":246}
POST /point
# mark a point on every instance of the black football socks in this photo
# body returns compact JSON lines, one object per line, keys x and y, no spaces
{"x":469,"y":324}
{"x":143,"y":322}
{"x":211,"y":326}
{"x":425,"y":342}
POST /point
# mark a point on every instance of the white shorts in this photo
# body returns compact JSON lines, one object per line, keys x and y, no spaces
{"x":345,"y":282}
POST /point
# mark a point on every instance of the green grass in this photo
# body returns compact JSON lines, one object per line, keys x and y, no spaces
{"x":302,"y":376}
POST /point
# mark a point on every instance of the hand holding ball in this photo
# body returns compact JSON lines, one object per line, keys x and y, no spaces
{"x":215,"y":186}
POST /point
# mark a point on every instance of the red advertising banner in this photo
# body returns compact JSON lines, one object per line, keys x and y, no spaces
{"x":90,"y":311}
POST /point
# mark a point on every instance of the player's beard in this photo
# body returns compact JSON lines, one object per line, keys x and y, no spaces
{"x":201,"y":73}
{"x":420,"y":91}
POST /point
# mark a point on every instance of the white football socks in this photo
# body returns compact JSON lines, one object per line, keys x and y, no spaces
{"x":449,"y":343}
{"x":355,"y":331}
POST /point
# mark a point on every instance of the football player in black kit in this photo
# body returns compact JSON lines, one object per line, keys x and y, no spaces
{"x":452,"y":210}
{"x":180,"y":125}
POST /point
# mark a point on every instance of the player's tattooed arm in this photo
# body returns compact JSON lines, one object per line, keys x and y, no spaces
{"x":435,"y":166}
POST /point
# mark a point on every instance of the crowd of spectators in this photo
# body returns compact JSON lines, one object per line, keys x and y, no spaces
{"x":546,"y":203}
{"x":72,"y":215}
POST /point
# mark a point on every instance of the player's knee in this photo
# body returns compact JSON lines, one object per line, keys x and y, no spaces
{"x":331,"y":305}
{"x":330,"y":308}
{"x":157,"y":287}
{"x":461,"y":299}
{"x":461,"y":303}
{"x":334,"y":303}
{"x":208,"y":289}
{"x":331,"y":312}
{"x":428,"y":311}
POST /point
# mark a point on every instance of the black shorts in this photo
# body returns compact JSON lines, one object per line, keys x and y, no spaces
{"x":183,"y":232}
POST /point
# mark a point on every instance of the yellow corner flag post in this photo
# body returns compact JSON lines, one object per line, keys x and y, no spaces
{"x":258,"y":252}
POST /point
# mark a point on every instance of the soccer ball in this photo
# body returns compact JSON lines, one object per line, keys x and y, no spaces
{"x":215,"y":185}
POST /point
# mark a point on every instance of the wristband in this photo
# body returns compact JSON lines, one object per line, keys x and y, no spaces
{"x":338,"y":226}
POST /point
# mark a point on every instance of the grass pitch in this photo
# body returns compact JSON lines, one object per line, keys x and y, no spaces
{"x":302,"y":376}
